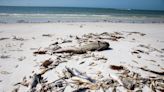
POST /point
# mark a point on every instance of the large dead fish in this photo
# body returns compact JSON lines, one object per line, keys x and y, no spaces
{"x":92,"y":46}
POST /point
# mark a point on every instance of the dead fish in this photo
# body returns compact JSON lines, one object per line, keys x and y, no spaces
{"x":116,"y":77}
{"x":18,"y":38}
{"x":40,"y":52}
{"x":128,"y":83}
{"x":24,"y":82}
{"x":92,"y":46}
{"x":4,"y":56}
{"x":118,"y":68}
{"x":4,"y":72}
{"x":75,"y":72}
{"x":81,"y":90}
{"x":80,"y":80}
{"x":46,"y":35}
{"x":16,"y":89}
{"x":141,"y":34}
{"x":107,"y":83}
{"x":46,"y":63}
{"x":36,"y":79}
{"x":5,"y":38}
{"x":57,"y":86}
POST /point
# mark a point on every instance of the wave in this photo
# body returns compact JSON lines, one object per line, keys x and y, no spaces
{"x":71,"y":15}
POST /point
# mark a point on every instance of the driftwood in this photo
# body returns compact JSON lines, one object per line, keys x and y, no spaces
{"x":155,"y":72}
{"x":92,"y":46}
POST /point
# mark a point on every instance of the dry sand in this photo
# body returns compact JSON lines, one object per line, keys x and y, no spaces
{"x":17,"y":58}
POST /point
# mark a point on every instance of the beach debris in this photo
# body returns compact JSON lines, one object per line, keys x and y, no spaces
{"x":46,"y":63}
{"x":139,"y":33}
{"x":92,"y":46}
{"x":46,"y":35}
{"x":81,"y":90}
{"x":162,"y":49}
{"x":116,"y":78}
{"x":57,"y":62}
{"x":155,"y":72}
{"x":128,"y":83}
{"x":79,"y":80}
{"x":99,"y":57}
{"x":82,"y":62}
{"x":92,"y":64}
{"x":18,"y":38}
{"x":40,"y":51}
{"x":4,"y":72}
{"x":138,"y":56}
{"x":115,"y":36}
{"x":135,"y":61}
{"x":21,"y":58}
{"x":16,"y":66}
{"x":115,"y":67}
{"x":4,"y":56}
{"x":139,"y":51}
{"x":152,"y":61}
{"x":107,"y":83}
{"x":16,"y":89}
{"x":74,"y":72}
{"x":55,"y":43}
{"x":150,"y":49}
{"x":53,"y":47}
{"x":58,"y":85}
{"x":36,"y":79}
{"x":21,"y":44}
{"x":4,"y":38}
{"x":66,"y":41}
{"x":23,"y":83}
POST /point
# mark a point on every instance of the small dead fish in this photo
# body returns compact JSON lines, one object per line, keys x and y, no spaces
{"x":4,"y":72}
{"x":81,"y":90}
{"x":46,"y":63}
{"x":118,"y":68}
{"x":36,"y":79}
{"x":5,"y":38}
{"x":128,"y":83}
{"x":40,"y":52}
{"x":80,"y":80}
{"x":46,"y":35}
{"x":116,"y":77}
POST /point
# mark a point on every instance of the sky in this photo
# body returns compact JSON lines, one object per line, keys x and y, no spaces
{"x":118,"y":4}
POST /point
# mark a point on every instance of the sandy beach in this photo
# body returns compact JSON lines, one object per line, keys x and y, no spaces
{"x":134,"y":47}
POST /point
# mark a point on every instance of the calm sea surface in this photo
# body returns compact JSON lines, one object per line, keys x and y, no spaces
{"x":14,"y":14}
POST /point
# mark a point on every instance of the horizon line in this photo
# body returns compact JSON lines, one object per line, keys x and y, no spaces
{"x":84,"y":7}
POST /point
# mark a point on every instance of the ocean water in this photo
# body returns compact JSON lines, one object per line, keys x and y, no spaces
{"x":15,"y":14}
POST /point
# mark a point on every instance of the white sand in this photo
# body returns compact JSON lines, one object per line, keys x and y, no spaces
{"x":119,"y":55}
